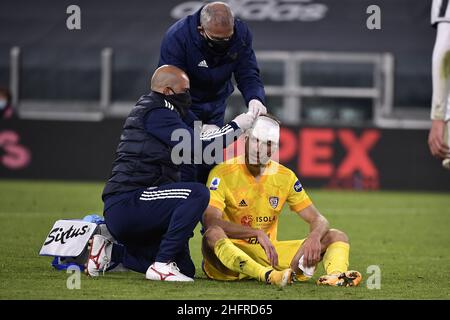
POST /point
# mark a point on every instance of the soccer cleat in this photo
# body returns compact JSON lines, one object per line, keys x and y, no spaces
{"x":345,"y":279}
{"x":160,"y":271}
{"x":280,"y":278}
{"x":99,"y":255}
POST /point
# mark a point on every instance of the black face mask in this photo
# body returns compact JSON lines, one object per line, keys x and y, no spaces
{"x":182,"y":101}
{"x":216,"y":47}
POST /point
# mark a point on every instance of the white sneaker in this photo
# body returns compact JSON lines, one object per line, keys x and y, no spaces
{"x":99,"y":255}
{"x":165,"y":272}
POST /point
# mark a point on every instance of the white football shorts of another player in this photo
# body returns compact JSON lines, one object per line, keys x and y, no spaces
{"x":440,"y":11}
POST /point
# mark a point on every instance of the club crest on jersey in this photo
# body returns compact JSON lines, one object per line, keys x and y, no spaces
{"x":298,"y":186}
{"x":273,"y":202}
{"x":214,"y":184}
{"x":247,"y":221}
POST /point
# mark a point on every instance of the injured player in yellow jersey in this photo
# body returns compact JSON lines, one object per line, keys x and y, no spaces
{"x":240,"y":223}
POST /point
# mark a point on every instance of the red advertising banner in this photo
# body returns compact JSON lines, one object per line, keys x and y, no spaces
{"x":349,"y":158}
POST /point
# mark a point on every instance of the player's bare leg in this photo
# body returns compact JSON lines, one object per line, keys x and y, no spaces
{"x":220,"y":251}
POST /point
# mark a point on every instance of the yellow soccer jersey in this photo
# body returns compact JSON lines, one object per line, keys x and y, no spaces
{"x":249,"y":202}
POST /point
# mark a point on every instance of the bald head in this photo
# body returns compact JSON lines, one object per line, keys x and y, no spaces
{"x":218,"y":19}
{"x":169,"y":78}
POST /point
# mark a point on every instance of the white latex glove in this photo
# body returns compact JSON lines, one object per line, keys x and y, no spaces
{"x":244,"y":120}
{"x":208,"y":129}
{"x":256,"y":107}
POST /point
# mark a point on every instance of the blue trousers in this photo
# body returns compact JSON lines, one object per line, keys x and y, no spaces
{"x":210,"y":112}
{"x":155,"y":224}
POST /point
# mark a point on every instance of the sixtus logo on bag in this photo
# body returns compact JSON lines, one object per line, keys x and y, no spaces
{"x":67,"y":238}
{"x":61,"y":235}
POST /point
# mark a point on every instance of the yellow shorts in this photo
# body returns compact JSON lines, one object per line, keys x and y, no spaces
{"x":285,"y":249}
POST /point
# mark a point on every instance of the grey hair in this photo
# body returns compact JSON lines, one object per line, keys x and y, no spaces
{"x":210,"y":14}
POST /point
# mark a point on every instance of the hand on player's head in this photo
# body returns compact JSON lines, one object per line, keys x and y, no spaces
{"x":257,"y":108}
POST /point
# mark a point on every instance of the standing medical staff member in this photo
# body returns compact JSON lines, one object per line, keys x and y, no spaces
{"x":211,"y":46}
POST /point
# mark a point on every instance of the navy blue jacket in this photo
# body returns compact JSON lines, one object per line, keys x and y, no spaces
{"x":143,"y":157}
{"x":183,"y":47}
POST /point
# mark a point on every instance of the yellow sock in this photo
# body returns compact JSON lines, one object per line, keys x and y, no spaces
{"x":237,"y":260}
{"x":335,"y":259}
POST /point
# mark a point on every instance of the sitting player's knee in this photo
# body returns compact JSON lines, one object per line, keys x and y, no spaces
{"x":334,"y":235}
{"x":338,"y":235}
{"x":213,"y":234}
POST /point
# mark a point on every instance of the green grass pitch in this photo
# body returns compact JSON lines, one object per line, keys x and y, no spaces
{"x":406,"y":234}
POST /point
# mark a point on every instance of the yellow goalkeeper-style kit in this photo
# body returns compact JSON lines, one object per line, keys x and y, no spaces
{"x":255,"y":203}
